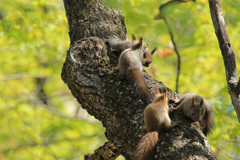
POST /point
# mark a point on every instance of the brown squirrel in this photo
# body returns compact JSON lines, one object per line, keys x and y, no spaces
{"x":123,"y":45}
{"x":156,"y":118}
{"x":197,"y":108}
{"x":130,"y":66}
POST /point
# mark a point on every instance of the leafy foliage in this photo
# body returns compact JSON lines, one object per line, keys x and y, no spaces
{"x":34,"y":41}
{"x":39,"y":118}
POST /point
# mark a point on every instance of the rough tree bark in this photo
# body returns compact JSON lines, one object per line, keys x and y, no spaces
{"x":227,"y":53}
{"x":91,"y":75}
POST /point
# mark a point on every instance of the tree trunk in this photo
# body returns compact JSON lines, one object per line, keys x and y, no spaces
{"x":91,"y":75}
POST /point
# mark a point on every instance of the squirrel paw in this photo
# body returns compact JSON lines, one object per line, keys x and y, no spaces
{"x":172,"y":100}
{"x":178,"y":123}
{"x":196,"y":124}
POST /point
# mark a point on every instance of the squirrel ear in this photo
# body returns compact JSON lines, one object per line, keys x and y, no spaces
{"x":202,"y":109}
{"x":156,"y":91}
{"x":133,"y":37}
{"x":152,"y":52}
{"x":144,"y":54}
{"x":140,"y":43}
{"x":164,"y":90}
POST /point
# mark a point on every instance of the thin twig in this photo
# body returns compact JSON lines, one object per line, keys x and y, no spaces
{"x":176,"y":50}
{"x":55,"y":111}
{"x":46,"y":143}
{"x":234,"y":155}
{"x":21,"y":75}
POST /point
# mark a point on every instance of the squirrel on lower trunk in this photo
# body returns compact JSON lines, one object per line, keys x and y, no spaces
{"x":130,"y":66}
{"x":197,"y":108}
{"x":156,"y":119}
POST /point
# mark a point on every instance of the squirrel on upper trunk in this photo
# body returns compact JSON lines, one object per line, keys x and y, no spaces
{"x":197,"y":108}
{"x":156,"y":118}
{"x":130,"y":66}
{"x":133,"y":44}
{"x":123,"y":45}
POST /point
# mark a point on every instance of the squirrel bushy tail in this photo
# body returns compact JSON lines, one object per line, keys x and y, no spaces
{"x":134,"y":76}
{"x":208,"y":118}
{"x":147,"y":146}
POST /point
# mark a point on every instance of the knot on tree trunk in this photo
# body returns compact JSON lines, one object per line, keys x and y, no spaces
{"x":83,"y":71}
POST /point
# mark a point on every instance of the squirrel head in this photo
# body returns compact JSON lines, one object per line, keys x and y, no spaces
{"x":148,"y":56}
{"x":196,"y":109}
{"x":160,"y":96}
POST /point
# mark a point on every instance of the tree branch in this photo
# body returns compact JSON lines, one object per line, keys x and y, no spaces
{"x":110,"y":152}
{"x":171,"y":2}
{"x":227,"y":53}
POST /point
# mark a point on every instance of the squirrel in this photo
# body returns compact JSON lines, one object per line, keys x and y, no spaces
{"x":130,"y":65}
{"x":123,"y":45}
{"x":156,"y":118}
{"x":197,"y":108}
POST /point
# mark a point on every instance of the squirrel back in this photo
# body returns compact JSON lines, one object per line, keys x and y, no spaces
{"x":130,"y":58}
{"x":156,"y":115}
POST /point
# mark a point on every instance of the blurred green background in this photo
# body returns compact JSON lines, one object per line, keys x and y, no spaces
{"x":40,"y":119}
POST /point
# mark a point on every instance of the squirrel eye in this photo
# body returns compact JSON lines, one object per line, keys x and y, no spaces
{"x":192,"y":113}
